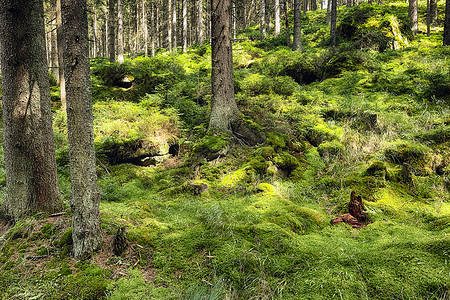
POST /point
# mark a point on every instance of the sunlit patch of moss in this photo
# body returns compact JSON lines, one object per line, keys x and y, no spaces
{"x":418,"y":156}
{"x":266,"y":188}
{"x":314,"y":164}
{"x":233,"y":178}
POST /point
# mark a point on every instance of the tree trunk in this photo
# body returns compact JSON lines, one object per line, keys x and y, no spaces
{"x":201,"y":36}
{"x":85,"y":197}
{"x":333,"y":20}
{"x":224,"y":110}
{"x":54,"y":53}
{"x":185,"y":28}
{"x":30,"y":164}
{"x":447,"y":23}
{"x":111,"y":33}
{"x":60,"y":43}
{"x":277,"y":17}
{"x":297,"y":26}
{"x":262,"y":19}
{"x":145,"y":26}
{"x":413,"y":17}
{"x":433,"y":12}
{"x":286,"y":16}
{"x":120,"y":42}
{"x":169,"y":25}
{"x":173,"y":17}
{"x":428,"y":19}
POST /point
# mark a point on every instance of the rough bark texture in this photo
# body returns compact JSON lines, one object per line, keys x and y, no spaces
{"x":54,"y":53}
{"x":224,"y":110}
{"x":174,"y":24}
{"x":333,"y":20}
{"x":262,"y":19}
{"x":201,"y":36}
{"x":31,"y":180}
{"x":120,"y":42}
{"x":433,"y":12}
{"x":447,"y":23}
{"x":111,"y":33}
{"x":413,"y":16}
{"x":297,"y":26}
{"x":85,"y":197}
{"x":145,"y":26}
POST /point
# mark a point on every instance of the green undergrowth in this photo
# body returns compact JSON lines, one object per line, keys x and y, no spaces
{"x":208,"y":217}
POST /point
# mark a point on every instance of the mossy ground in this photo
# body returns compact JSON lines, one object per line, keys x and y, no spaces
{"x":335,"y":121}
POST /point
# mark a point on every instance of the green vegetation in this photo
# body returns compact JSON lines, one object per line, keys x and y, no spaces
{"x":208,"y":217}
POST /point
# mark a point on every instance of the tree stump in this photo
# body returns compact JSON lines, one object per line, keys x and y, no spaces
{"x":356,"y":216}
{"x":120,"y":243}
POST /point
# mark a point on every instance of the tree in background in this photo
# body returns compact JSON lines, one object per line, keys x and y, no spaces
{"x":30,"y":164}
{"x":333,"y":20}
{"x":85,"y":197}
{"x":111,"y":33}
{"x":277,"y":17}
{"x":447,"y":23}
{"x":297,"y":26}
{"x":262,"y":19}
{"x":413,"y":16}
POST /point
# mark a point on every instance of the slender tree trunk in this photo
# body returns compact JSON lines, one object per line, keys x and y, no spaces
{"x":447,"y":23}
{"x":428,"y":18}
{"x":85,"y":197}
{"x":173,"y":19}
{"x":185,"y":28}
{"x":413,"y":17}
{"x":29,"y":148}
{"x":329,"y":4}
{"x":54,"y":54}
{"x":111,"y":33}
{"x":145,"y":26}
{"x":333,"y":19}
{"x":297,"y":26}
{"x":433,"y":12}
{"x":262,"y":19}
{"x":277,"y":17}
{"x":60,"y":42}
{"x":96,"y":39}
{"x":224,"y":110}
{"x":286,"y":17}
{"x":234,"y":19}
{"x":120,"y":42}
{"x":169,"y":25}
{"x":153,"y":29}
{"x":201,"y":35}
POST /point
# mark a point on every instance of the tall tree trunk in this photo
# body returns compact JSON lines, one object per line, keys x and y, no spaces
{"x":333,"y":20}
{"x":111,"y":31}
{"x":201,"y":35}
{"x":329,"y":4}
{"x":262,"y":19}
{"x":54,"y":53}
{"x":286,"y":17}
{"x":169,"y":25}
{"x":433,"y":12}
{"x":428,"y":18}
{"x":30,"y":164}
{"x":277,"y":17}
{"x":413,"y":17}
{"x":447,"y":23}
{"x":297,"y":26}
{"x":60,"y":42}
{"x":173,"y":17}
{"x":153,"y":28}
{"x":185,"y":26}
{"x":85,"y":197}
{"x":224,"y":110}
{"x":145,"y":26}
{"x":234,"y":19}
{"x":120,"y":42}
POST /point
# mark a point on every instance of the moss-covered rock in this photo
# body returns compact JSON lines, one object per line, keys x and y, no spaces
{"x":286,"y":162}
{"x":212,"y":146}
{"x":330,"y":149}
{"x":418,"y":156}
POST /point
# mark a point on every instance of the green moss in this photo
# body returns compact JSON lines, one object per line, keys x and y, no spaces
{"x":66,"y":238}
{"x":377,"y":169}
{"x":266,"y":188}
{"x":212,"y":146}
{"x":418,"y":156}
{"x":285,"y":161}
{"x":276,"y":140}
{"x":330,"y":149}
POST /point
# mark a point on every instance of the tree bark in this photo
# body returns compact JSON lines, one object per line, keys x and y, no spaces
{"x":333,"y":20}
{"x":201,"y":36}
{"x":60,"y":43}
{"x":145,"y":26}
{"x":277,"y":17}
{"x":433,"y":12}
{"x":173,"y":17}
{"x":54,"y":38}
{"x":297,"y":26}
{"x":224,"y":110}
{"x":169,"y":25}
{"x":120,"y":42}
{"x":262,"y":19}
{"x":85,"y":197}
{"x":413,"y":17}
{"x":185,"y":26}
{"x":447,"y":23}
{"x":29,"y":148}
{"x":111,"y":31}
